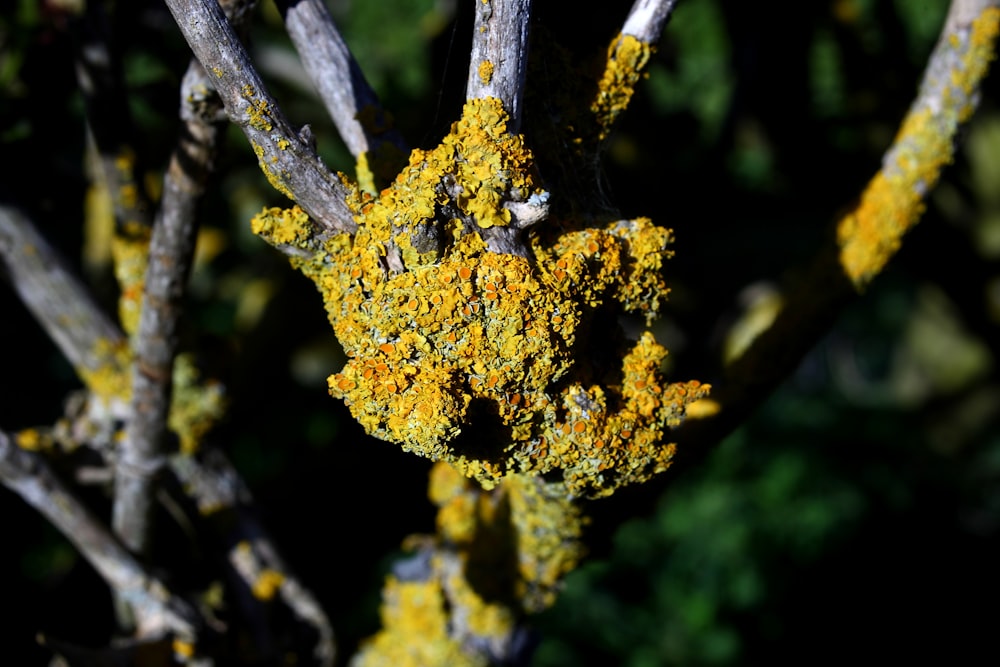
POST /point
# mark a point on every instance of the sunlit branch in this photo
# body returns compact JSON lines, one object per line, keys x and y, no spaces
{"x":352,"y":104}
{"x":171,"y":249}
{"x":499,"y":56}
{"x":288,"y":161}
{"x":647,"y":18}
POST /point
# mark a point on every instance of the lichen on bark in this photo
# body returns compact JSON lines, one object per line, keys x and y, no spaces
{"x":438,"y":325}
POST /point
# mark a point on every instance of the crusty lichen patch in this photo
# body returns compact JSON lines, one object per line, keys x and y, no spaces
{"x":436,"y":325}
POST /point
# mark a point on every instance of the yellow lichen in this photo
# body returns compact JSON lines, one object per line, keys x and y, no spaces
{"x":893,"y":201}
{"x":267,"y":584}
{"x":485,"y":72}
{"x":414,"y":630}
{"x":276,"y":179}
{"x":130,"y":251}
{"x":627,"y":57}
{"x":258,"y":111}
{"x":455,"y":327}
{"x":32,"y":440}
{"x":183,"y":649}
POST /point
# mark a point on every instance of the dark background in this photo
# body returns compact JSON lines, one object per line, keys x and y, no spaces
{"x":856,"y":514}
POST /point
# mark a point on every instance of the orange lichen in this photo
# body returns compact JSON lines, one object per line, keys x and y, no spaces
{"x":433,"y":322}
{"x":893,"y":201}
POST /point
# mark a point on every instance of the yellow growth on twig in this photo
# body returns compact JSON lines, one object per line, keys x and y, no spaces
{"x":893,"y":201}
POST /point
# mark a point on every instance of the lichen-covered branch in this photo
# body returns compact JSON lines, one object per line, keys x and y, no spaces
{"x":893,"y":201}
{"x":366,"y":128}
{"x":99,"y":75}
{"x":58,"y":300}
{"x":499,"y":58}
{"x":464,"y":324}
{"x":647,"y":18}
{"x":157,"y":610}
{"x":289,"y":162}
{"x":462,"y":597}
{"x":872,"y":231}
{"x":224,"y":500}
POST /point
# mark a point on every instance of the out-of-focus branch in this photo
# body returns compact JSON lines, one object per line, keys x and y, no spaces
{"x":363,"y":124}
{"x":871,"y":233}
{"x":647,"y":19}
{"x":58,"y":300}
{"x":224,"y":500}
{"x":289,"y":162}
{"x":157,"y":610}
{"x":171,"y":249}
{"x":499,"y":56}
{"x":98,"y":73}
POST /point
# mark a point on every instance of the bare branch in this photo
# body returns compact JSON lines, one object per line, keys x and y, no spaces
{"x":56,"y":297}
{"x":170,"y":253}
{"x":289,"y":163}
{"x":647,"y":18}
{"x":158,"y":610}
{"x":499,"y":57}
{"x":350,"y":101}
{"x":871,"y":233}
{"x":171,"y":249}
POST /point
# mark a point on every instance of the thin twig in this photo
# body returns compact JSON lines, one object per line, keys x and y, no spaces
{"x":171,"y":249}
{"x":98,"y":73}
{"x":157,"y":609}
{"x":647,"y":18}
{"x":350,"y":101}
{"x":871,"y":233}
{"x":499,"y":57}
{"x":289,"y":162}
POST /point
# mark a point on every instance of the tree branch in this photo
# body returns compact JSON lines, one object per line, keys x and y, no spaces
{"x":352,"y":104}
{"x":58,"y":300}
{"x":871,"y":233}
{"x":647,"y":18}
{"x":171,"y":249}
{"x":157,"y":609}
{"x":499,"y":57}
{"x":289,"y":163}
